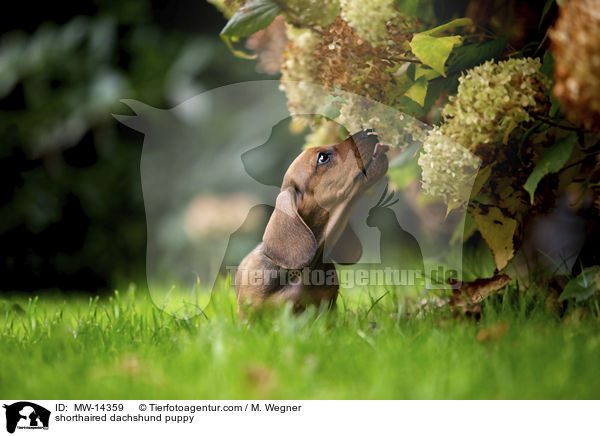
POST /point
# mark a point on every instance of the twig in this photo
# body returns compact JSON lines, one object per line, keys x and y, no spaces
{"x":579,"y":161}
{"x":551,"y":122}
{"x":402,"y":59}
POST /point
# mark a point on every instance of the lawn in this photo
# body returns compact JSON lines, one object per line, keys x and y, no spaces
{"x":123,"y":347}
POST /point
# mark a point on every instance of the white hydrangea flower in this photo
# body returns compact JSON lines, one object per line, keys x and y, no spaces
{"x":448,"y":168}
{"x":369,"y":18}
{"x":360,"y":113}
{"x":298,"y":72}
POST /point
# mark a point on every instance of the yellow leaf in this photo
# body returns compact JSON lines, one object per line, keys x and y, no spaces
{"x":428,"y":73}
{"x":433,"y":51}
{"x":237,"y":53}
{"x":498,"y":231}
{"x":458,"y":22}
{"x":418,"y":91}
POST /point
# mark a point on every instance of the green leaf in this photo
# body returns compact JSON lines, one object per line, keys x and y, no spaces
{"x":469,"y":56}
{"x":462,"y":233}
{"x":477,"y":258}
{"x":545,"y":11}
{"x":438,"y":87}
{"x":433,"y":51}
{"x":450,"y":25}
{"x":551,"y":162}
{"x":250,"y":18}
{"x":548,"y":65}
{"x":418,"y":91}
{"x":423,"y":9}
{"x":554,"y":106}
{"x":548,"y":70}
{"x":583,"y":286}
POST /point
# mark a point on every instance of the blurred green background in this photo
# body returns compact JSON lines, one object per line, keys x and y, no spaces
{"x":72,"y":214}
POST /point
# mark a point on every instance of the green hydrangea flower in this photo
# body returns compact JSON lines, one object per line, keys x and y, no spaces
{"x":492,"y":100}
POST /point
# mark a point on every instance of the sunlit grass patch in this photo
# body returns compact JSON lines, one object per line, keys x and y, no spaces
{"x":375,"y":346}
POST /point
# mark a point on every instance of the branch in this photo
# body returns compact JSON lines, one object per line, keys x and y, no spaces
{"x":402,"y":59}
{"x":551,"y":122}
{"x":579,"y":161}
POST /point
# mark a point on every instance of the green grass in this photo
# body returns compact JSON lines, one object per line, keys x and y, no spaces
{"x":123,"y":347}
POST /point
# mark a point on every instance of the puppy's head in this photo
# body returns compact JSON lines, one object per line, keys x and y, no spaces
{"x":319,"y":191}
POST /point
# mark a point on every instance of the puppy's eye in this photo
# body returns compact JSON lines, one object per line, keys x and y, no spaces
{"x":323,"y":157}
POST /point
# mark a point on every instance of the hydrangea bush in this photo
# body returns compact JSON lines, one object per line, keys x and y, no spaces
{"x":481,"y":75}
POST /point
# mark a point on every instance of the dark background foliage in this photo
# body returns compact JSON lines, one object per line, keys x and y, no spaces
{"x":72,"y":213}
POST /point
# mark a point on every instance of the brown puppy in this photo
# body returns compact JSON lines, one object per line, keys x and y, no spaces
{"x":308,"y":228}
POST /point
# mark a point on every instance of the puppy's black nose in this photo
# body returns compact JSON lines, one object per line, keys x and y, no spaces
{"x":365,"y":138}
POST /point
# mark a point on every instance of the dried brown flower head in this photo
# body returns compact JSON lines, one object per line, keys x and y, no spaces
{"x":576,"y":50}
{"x":346,"y":61}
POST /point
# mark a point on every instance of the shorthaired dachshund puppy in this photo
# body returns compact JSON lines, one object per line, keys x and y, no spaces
{"x":308,"y":229}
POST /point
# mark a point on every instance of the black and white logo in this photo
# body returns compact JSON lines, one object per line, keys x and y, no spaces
{"x":26,"y":415}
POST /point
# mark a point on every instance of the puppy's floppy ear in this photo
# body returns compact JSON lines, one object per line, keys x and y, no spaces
{"x":287,"y":240}
{"x":347,"y":250}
